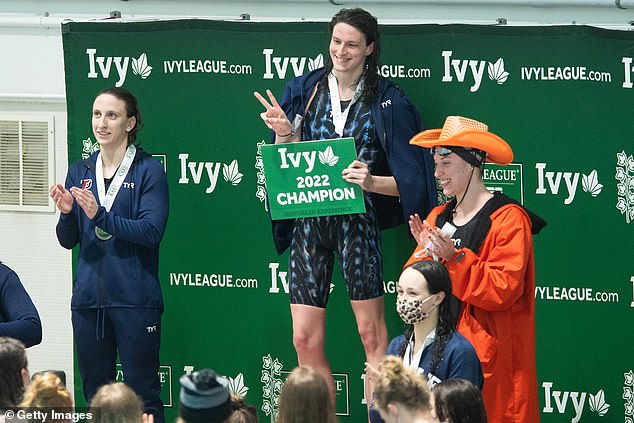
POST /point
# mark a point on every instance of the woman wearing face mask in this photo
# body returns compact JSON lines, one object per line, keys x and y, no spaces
{"x":431,"y":346}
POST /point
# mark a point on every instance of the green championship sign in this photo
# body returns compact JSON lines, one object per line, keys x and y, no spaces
{"x":303,"y":179}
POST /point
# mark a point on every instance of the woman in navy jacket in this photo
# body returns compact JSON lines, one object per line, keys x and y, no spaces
{"x":349,"y":98}
{"x":115,"y":206}
{"x":431,"y":346}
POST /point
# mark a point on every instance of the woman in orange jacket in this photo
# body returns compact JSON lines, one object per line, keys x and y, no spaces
{"x":489,"y":255}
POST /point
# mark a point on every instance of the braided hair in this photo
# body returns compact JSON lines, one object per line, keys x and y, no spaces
{"x":437,"y":277}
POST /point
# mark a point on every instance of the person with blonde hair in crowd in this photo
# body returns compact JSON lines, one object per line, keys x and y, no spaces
{"x":401,"y":395}
{"x":242,"y":412}
{"x":117,"y":403}
{"x":14,"y":374}
{"x":458,"y":401}
{"x":47,"y":392}
{"x":305,"y":398}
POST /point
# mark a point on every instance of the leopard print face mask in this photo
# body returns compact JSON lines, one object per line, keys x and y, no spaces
{"x":411,"y":310}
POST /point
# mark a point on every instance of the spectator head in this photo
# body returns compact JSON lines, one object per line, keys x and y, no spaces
{"x":400,"y":394}
{"x":204,"y":397}
{"x":241,"y":411}
{"x":116,"y":403}
{"x":305,"y":398}
{"x":458,"y":400}
{"x":47,"y":391}
{"x":14,"y":374}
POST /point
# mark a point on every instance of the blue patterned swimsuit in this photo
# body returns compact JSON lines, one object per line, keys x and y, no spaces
{"x":355,"y":238}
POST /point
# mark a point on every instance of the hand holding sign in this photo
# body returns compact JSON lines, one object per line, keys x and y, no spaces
{"x":358,"y":173}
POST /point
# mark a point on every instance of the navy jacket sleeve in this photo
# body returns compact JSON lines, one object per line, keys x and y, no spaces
{"x":19,"y":318}
{"x":412,"y":166}
{"x":148,"y":227}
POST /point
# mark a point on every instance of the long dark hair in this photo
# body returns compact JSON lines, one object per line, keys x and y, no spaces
{"x":131,"y":108}
{"x":12,"y":361}
{"x":369,"y":27}
{"x":459,"y":400}
{"x":438,"y":280}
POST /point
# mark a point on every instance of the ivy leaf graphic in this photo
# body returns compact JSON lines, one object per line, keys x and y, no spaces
{"x":266,"y":377}
{"x":236,"y":385}
{"x":267,"y":361}
{"x":621,"y":205}
{"x":317,"y":63}
{"x":328,"y":157}
{"x":497,"y":73}
{"x":231,"y":173}
{"x":629,"y":378}
{"x":266,"y":407}
{"x":620,"y":158}
{"x":140,"y":66}
{"x":598,"y":404}
{"x":590,"y":183}
{"x":627,"y":393}
{"x":277,"y":367}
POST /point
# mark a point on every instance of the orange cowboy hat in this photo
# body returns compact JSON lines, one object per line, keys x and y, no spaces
{"x":463,"y":132}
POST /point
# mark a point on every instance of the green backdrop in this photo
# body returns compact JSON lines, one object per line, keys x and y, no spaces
{"x":561,"y":96}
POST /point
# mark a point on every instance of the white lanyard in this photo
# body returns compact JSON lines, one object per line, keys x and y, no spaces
{"x":106,"y":199}
{"x":338,"y":117}
{"x":411,"y":361}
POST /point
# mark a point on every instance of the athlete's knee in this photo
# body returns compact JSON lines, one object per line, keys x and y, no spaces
{"x":307,"y":342}
{"x":373,"y":336}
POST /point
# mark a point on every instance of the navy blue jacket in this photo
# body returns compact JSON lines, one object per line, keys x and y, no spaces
{"x":459,"y":361}
{"x":19,"y":318}
{"x":122,"y":271}
{"x":397,"y":121}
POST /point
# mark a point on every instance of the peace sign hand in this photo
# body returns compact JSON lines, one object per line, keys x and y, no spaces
{"x":274,"y":117}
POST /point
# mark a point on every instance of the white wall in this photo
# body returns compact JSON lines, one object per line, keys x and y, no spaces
{"x":32,"y":79}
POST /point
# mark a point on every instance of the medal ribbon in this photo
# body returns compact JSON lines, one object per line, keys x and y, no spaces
{"x":338,"y":117}
{"x":106,"y":199}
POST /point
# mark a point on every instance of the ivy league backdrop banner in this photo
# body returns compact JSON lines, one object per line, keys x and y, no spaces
{"x":561,"y":96}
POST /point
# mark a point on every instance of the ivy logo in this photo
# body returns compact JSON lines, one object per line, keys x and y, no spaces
{"x":328,"y":157}
{"x":625,"y":187}
{"x":272,"y":386}
{"x":140,"y":66}
{"x":106,"y":66}
{"x":280,"y":66}
{"x":471,"y":71}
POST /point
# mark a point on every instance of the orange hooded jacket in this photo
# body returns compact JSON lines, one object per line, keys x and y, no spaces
{"x":497,"y":286}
